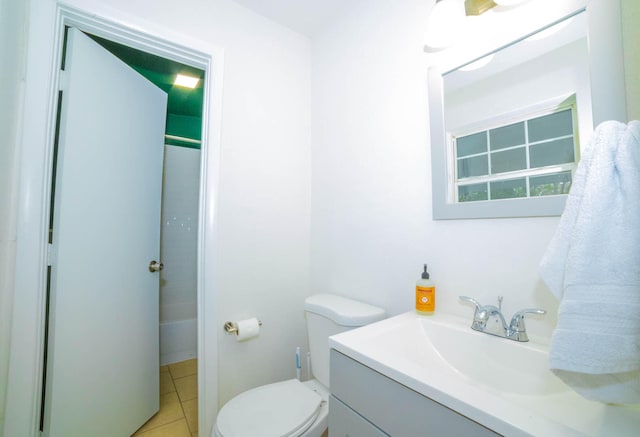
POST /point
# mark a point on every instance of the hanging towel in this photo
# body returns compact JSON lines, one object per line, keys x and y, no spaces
{"x":592,"y":265}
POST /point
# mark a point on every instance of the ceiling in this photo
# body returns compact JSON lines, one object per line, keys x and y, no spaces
{"x":162,"y":72}
{"x":184,"y":107}
{"x":304,"y":16}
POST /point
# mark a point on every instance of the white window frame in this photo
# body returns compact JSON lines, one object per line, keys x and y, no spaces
{"x":559,"y":104}
{"x":444,"y":208}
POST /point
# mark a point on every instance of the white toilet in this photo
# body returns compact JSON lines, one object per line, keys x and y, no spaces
{"x":292,"y":408}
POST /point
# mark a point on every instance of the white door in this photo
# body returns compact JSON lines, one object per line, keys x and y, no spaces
{"x":103,"y":357}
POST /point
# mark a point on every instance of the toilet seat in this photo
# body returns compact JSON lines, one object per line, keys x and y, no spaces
{"x":286,"y":409}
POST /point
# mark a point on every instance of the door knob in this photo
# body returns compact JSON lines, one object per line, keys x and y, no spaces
{"x":155,"y":266}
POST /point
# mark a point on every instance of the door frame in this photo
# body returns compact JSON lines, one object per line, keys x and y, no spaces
{"x":46,"y":22}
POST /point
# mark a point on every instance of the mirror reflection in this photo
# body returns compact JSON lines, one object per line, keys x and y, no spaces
{"x":514,"y":118}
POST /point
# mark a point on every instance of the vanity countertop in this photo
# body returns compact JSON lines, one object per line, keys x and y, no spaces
{"x":502,"y":384}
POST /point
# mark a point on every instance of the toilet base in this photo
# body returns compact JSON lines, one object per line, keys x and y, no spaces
{"x":319,"y":427}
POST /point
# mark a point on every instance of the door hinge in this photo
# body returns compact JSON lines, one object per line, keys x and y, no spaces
{"x":63,"y":80}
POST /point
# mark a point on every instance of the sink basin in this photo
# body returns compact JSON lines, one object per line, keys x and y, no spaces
{"x":502,"y":384}
{"x":497,"y":363}
{"x":446,"y":345}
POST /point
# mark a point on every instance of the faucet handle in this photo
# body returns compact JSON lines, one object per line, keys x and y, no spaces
{"x":517,"y":321}
{"x":480,"y":315}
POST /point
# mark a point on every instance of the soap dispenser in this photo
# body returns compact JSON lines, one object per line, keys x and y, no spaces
{"x":425,"y":294}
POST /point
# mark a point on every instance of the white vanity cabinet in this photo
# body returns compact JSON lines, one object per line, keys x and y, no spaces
{"x":365,"y":403}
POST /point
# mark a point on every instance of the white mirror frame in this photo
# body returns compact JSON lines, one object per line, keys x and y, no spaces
{"x":608,"y":103}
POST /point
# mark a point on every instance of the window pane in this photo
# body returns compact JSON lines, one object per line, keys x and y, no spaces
{"x":508,"y":160}
{"x":507,"y":136}
{"x":553,"y":152}
{"x":548,"y":185}
{"x":509,"y":189}
{"x":476,"y":166}
{"x":551,"y":126}
{"x":471,"y":144}
{"x":471,"y":193}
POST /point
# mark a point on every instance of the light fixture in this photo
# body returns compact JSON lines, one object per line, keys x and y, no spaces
{"x":186,"y":81}
{"x":445,"y":25}
{"x":477,"y":7}
{"x":451,"y":20}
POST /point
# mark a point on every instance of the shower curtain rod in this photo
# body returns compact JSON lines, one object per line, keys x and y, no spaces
{"x":183,"y":139}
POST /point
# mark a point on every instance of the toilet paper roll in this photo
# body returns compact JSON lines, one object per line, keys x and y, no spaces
{"x":247,"y":329}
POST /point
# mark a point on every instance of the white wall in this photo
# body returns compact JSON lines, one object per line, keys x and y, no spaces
{"x":371,"y":226}
{"x":178,"y":252}
{"x":179,"y":233}
{"x":12,"y":53}
{"x":371,"y":184}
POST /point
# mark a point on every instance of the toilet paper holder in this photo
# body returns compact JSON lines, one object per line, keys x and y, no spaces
{"x":232,"y":328}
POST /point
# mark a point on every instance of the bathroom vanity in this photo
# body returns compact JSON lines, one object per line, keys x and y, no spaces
{"x":413,"y":375}
{"x":365,"y":402}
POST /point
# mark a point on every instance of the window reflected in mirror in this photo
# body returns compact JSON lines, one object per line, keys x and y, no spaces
{"x":513,"y":119}
{"x":533,"y":157}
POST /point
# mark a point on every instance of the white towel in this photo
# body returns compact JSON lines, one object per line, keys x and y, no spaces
{"x":593,"y":266}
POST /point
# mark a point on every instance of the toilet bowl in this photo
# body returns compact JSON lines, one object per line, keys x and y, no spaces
{"x":289,"y":408}
{"x":292,"y":408}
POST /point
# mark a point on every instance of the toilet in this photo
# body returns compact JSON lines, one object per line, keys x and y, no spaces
{"x":292,"y":408}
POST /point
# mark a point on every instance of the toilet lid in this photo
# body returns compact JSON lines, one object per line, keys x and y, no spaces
{"x":284,"y":408}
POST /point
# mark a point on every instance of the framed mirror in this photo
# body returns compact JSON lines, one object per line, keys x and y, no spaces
{"x":507,"y":126}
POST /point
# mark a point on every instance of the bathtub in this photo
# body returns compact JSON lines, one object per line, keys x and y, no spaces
{"x":178,"y":341}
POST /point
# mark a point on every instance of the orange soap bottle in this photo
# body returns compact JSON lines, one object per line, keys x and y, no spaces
{"x":425,"y":294}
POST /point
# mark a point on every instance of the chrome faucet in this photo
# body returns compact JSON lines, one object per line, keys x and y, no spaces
{"x":515,"y":330}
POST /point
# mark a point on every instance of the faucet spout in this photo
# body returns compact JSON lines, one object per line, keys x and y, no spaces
{"x":471,"y":300}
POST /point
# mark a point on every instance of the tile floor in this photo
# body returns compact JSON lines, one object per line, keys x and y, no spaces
{"x":178,"y":415}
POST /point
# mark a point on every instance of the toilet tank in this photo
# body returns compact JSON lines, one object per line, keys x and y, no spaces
{"x":327,"y":315}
